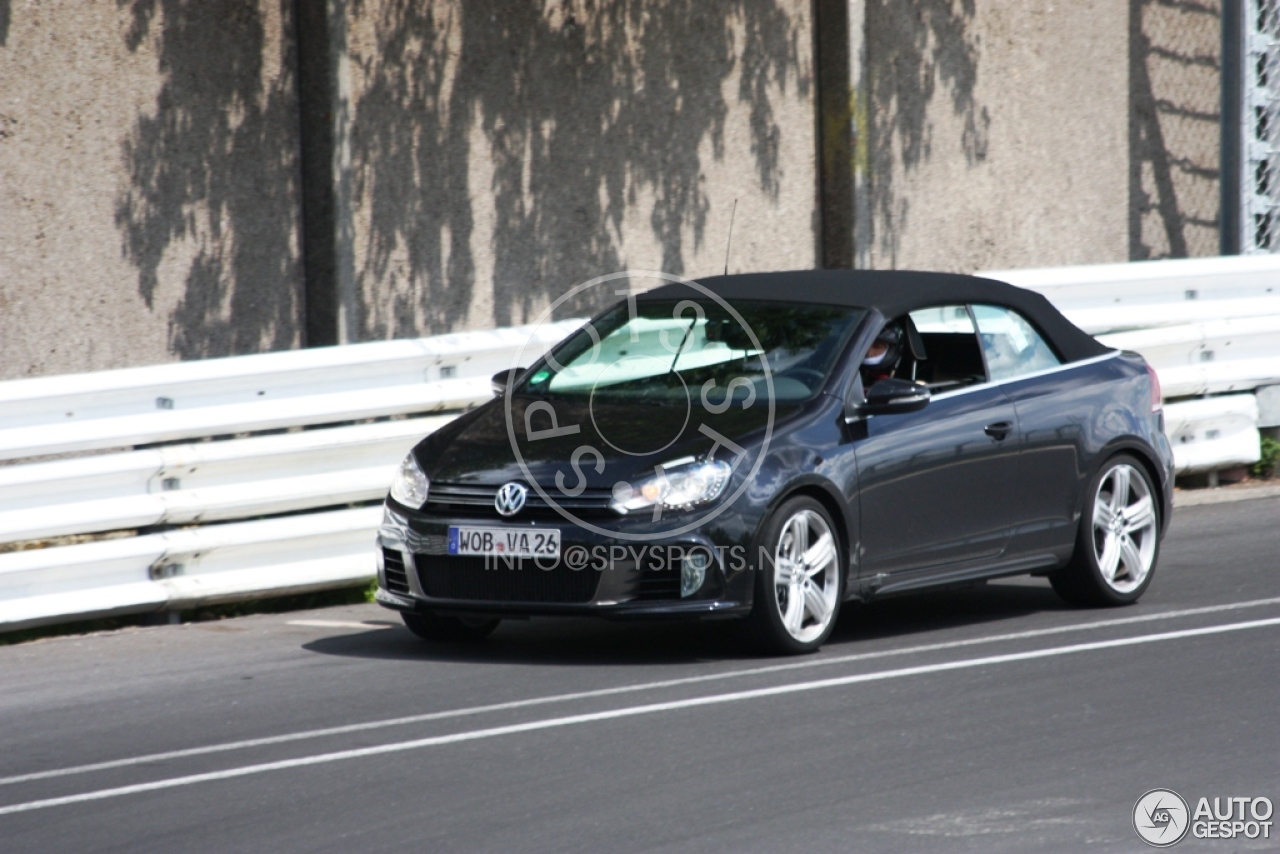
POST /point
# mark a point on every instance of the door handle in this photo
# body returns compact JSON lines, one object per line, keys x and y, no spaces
{"x":999,"y":430}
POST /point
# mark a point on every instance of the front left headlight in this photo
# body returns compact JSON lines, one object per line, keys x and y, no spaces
{"x":677,"y":488}
{"x":410,"y":485}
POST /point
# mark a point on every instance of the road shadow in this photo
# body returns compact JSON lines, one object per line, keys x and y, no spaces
{"x":951,"y":608}
{"x":561,"y":641}
{"x":574,"y":641}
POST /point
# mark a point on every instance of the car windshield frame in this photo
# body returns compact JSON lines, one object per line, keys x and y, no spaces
{"x":660,"y":351}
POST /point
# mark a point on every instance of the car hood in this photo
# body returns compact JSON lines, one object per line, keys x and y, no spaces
{"x":630,"y":440}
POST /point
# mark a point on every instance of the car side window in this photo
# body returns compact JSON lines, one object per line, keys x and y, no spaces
{"x":952,"y":356}
{"x":1012,"y":345}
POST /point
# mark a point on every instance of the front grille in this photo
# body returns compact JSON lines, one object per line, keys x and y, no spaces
{"x":394,"y":572}
{"x":454,"y":499}
{"x":653,"y":584}
{"x":453,"y":577}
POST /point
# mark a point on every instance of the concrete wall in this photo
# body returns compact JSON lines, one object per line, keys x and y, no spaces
{"x":148,"y":190}
{"x":1174,"y":66}
{"x":502,"y":152}
{"x":487,"y":155}
{"x":1009,"y":133}
{"x":999,"y":133}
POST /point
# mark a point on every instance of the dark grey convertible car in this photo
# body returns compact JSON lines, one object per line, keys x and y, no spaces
{"x":769,"y":446}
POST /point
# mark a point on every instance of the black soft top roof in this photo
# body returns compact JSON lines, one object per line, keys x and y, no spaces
{"x":894,"y":293}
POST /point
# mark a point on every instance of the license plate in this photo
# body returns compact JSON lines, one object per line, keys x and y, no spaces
{"x":466,"y":540}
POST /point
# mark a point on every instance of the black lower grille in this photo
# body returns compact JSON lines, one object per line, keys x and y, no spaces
{"x":450,"y":577}
{"x":653,"y":584}
{"x":394,"y":572}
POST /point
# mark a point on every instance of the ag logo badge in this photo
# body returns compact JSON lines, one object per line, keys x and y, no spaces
{"x":1161,"y":818}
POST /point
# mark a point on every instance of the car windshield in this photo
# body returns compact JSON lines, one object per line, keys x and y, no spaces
{"x":656,"y":351}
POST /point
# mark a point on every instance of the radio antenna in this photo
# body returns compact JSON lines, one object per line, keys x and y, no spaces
{"x":729,"y":240}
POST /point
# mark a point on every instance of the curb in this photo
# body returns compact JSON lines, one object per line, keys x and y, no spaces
{"x":1191,"y":498}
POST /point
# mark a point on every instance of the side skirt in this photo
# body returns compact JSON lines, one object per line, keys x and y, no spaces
{"x":919,"y":579}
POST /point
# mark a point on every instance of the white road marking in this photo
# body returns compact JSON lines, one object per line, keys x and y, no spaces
{"x":339,"y":624}
{"x":627,"y":712}
{"x":427,"y":717}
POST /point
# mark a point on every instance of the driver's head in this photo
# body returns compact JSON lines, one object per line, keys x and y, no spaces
{"x":886,"y":350}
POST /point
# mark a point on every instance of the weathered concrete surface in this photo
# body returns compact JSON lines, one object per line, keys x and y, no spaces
{"x":148,"y":206}
{"x":489,"y":155}
{"x":1175,"y":62}
{"x":501,"y":153}
{"x":999,"y":133}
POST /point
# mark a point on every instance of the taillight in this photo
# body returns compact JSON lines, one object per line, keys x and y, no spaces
{"x":1157,"y":399}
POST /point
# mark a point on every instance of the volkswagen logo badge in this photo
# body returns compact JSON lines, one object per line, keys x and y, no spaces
{"x":510,"y":499}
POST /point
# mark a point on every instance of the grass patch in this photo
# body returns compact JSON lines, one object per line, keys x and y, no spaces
{"x":1269,"y":465}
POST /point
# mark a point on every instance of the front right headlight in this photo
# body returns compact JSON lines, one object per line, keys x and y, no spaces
{"x":410,"y":485}
{"x":681,"y":487}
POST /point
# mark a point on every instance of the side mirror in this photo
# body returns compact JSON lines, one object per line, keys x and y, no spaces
{"x":892,"y":396}
{"x":502,"y":379}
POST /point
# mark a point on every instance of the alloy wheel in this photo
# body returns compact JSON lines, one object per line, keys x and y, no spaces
{"x":1124,"y":528}
{"x":806,"y":576}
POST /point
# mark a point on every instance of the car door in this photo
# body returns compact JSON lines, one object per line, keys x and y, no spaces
{"x":1054,"y":404}
{"x":935,"y":485}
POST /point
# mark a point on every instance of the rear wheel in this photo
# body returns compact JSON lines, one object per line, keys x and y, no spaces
{"x":800,"y":584}
{"x":437,"y":627}
{"x":1118,"y":539}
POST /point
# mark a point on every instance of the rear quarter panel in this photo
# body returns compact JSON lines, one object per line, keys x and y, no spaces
{"x":1070,"y":421}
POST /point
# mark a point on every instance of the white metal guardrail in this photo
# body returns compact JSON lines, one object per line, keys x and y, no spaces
{"x":185,"y":447}
{"x":187,"y":400}
{"x":207,"y":481}
{"x":190,"y":503}
{"x":187,"y":567}
{"x":1209,"y":326}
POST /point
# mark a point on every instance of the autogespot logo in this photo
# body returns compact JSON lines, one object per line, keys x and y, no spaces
{"x":610,"y":365}
{"x":1160,"y":817}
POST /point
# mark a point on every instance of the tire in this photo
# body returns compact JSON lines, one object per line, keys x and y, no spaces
{"x":1118,"y":540}
{"x":796,"y":607}
{"x":440,"y":628}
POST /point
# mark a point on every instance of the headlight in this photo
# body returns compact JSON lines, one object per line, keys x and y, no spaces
{"x":679,"y":487}
{"x":409,"y":486}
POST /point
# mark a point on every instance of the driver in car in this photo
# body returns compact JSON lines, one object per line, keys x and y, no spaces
{"x":883,"y":357}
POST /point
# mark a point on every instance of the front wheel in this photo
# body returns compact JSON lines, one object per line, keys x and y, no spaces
{"x":799,"y":579}
{"x":437,"y":627}
{"x":1118,"y":539}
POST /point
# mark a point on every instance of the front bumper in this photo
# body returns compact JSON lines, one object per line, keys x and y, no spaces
{"x":619,"y":580}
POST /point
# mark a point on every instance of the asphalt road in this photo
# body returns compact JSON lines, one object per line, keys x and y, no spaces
{"x":990,"y":719}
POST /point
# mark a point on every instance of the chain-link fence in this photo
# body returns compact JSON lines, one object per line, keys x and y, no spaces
{"x":1260,"y":161}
